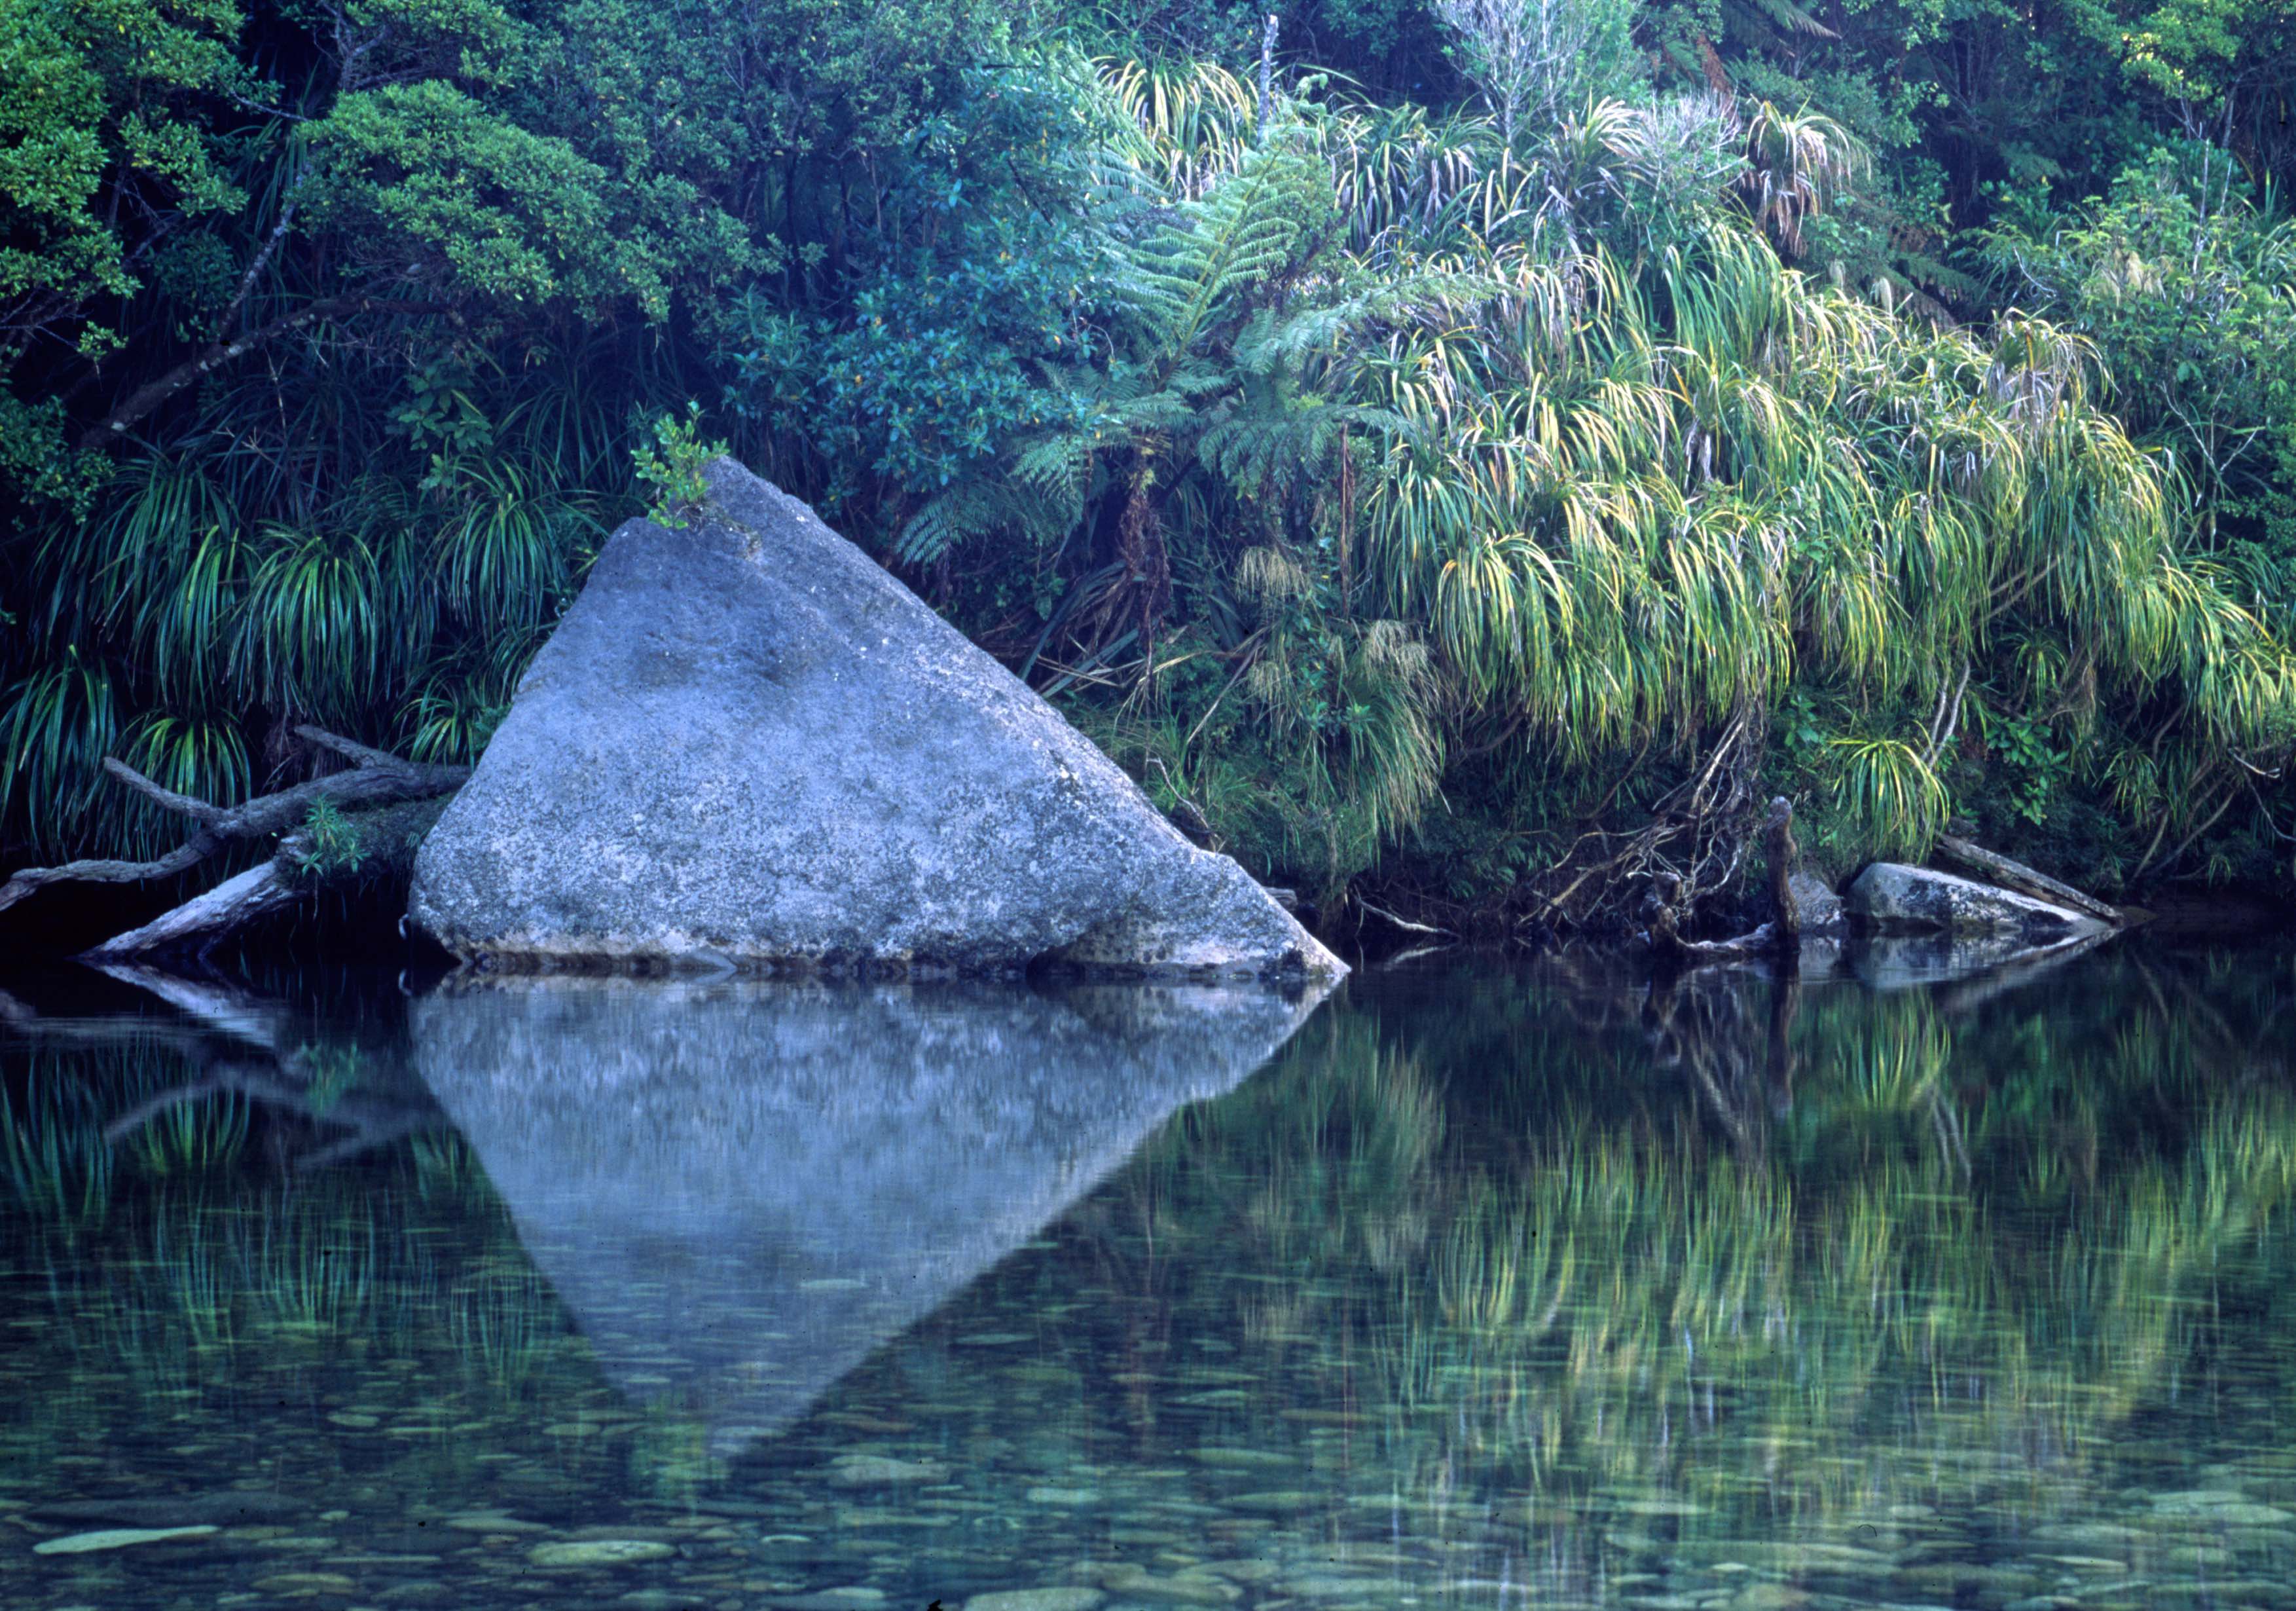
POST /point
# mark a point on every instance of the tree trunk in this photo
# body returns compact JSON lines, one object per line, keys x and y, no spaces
{"x":2026,"y":881}
{"x":1779,"y":833}
{"x":377,"y":845}
{"x":206,"y":918}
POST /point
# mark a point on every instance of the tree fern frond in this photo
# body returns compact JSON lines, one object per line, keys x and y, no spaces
{"x":1053,"y":465}
{"x":972,"y":507}
{"x":1189,"y":273}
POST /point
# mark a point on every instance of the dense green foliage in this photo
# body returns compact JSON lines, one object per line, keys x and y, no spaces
{"x":1540,"y":415}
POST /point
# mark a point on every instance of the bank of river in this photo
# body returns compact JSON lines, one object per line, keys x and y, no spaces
{"x":1471,"y":1285}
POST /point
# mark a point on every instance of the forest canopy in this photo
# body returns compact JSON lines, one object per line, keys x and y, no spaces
{"x":1433,"y":444}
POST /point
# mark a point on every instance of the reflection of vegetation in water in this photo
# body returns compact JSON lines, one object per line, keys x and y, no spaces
{"x":505,"y":1321}
{"x":1733,"y":1262}
{"x":53,"y":1155}
{"x":1334,"y":1157}
{"x":76,"y":1120}
{"x":191,"y":1138}
{"x":445,"y":1166}
{"x":335,"y":1072}
{"x":1924,"y":1235}
{"x":177,"y":1256}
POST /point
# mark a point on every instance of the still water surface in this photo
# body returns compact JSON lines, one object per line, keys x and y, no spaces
{"x":1467,"y":1286}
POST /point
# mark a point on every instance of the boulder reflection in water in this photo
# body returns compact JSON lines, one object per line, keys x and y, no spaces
{"x":741,"y":1188}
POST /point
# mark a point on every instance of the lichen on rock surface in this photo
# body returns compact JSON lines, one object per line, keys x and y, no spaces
{"x":747,"y":743}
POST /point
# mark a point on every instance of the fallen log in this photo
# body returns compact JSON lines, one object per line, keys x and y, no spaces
{"x":385,"y":803}
{"x":1405,"y":924}
{"x":2026,"y":881}
{"x":370,"y":845}
{"x":232,"y":904}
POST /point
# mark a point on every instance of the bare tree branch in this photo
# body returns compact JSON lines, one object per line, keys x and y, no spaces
{"x":145,"y":399}
{"x":183,"y":805}
{"x":378,"y":778}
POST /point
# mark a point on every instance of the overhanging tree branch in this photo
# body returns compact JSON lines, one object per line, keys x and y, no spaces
{"x":140,"y":402}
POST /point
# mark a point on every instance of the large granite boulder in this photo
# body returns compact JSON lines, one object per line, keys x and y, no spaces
{"x":1893,"y":899}
{"x":746,"y":742}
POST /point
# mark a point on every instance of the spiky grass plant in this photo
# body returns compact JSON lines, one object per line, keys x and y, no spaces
{"x":339,"y":541}
{"x":1626,"y":474}
{"x":1555,"y":412}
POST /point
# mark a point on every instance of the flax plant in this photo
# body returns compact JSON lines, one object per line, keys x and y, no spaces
{"x":386,"y":572}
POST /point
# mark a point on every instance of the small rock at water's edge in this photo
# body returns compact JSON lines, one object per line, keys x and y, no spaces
{"x":1895,"y":899}
{"x":872,"y":1470}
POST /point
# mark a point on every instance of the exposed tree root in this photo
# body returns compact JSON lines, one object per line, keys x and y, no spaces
{"x":1696,"y":840}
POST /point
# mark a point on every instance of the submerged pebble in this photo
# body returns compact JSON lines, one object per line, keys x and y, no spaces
{"x":1181,"y":1588}
{"x":600,"y":1552}
{"x":298,"y":1584}
{"x":871,"y":1470}
{"x":118,"y":1538}
{"x":492,"y":1521}
{"x":1037,"y":1599}
{"x":1281,"y":1503}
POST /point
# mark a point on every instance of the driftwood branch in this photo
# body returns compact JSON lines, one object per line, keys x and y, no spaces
{"x":234,"y":903}
{"x":181,"y":859}
{"x":378,"y":842}
{"x":198,"y":811}
{"x":2026,"y":881}
{"x":1763,"y":941}
{"x":357,"y":754}
{"x":1405,"y":924}
{"x":375,"y":784}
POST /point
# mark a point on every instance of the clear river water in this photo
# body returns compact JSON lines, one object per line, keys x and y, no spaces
{"x":1469,"y":1283}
